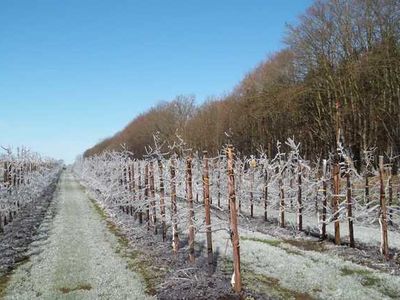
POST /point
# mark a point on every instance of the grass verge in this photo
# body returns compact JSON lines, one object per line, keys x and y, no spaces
{"x":138,"y":261}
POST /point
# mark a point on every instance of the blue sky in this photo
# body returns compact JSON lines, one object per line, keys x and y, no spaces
{"x":73,"y":72}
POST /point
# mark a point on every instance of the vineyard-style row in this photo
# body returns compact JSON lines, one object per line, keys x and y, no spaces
{"x":179,"y":192}
{"x":24,"y":178}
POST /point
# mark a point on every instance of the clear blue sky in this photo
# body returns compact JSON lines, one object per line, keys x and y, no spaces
{"x":76,"y":71}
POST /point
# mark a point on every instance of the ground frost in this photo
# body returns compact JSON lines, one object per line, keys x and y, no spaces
{"x":78,"y":260}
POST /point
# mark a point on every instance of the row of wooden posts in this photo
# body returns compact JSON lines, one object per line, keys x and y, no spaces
{"x":383,"y":213}
{"x":336,"y":182}
{"x":150,"y":211}
{"x":14,"y":176}
{"x":14,"y":173}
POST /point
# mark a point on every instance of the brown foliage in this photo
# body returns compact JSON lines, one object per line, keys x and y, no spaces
{"x":344,"y":52}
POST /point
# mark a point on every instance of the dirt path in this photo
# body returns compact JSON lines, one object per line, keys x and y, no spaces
{"x":78,"y":260}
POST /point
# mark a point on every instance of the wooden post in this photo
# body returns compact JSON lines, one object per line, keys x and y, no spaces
{"x":18,"y":175}
{"x":299,"y":199}
{"x":146,"y":194}
{"x":252,"y":168}
{"x":383,"y":213}
{"x":336,"y":178}
{"x":282,"y":199}
{"x":162,"y":201}
{"x":218,"y":182}
{"x":134,"y":191}
{"x":6,"y":174}
{"x":239,"y":186}
{"x":291,"y":185}
{"x":265,"y":193}
{"x":14,"y":176}
{"x":237,"y":284}
{"x":153,"y":199}
{"x":335,"y":201}
{"x":10,"y":176}
{"x":121,"y":183}
{"x":175,"y":234}
{"x":350,"y":209}
{"x":367,"y":189}
{"x":130,"y":187}
{"x":316,"y":204}
{"x":5,"y":182}
{"x":23,"y":173}
{"x":140,"y":213}
{"x":189,"y":197}
{"x":125,"y":207}
{"x":324,"y":200}
{"x":206,"y":189}
{"x":390,"y":190}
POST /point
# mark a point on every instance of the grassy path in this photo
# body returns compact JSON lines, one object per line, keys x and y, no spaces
{"x":78,"y":260}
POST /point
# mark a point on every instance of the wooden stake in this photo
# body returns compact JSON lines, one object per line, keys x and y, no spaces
{"x":189,"y":197}
{"x":390,"y":188}
{"x":336,"y":179}
{"x":251,"y":189}
{"x":237,"y":284}
{"x":6,"y":175}
{"x":335,"y":201}
{"x":299,"y":199}
{"x":367,"y":189}
{"x":265,"y":193}
{"x":162,"y":201}
{"x":146,"y":194}
{"x":324,"y":200}
{"x":124,"y":186}
{"x":140,"y":213}
{"x":350,"y":210}
{"x":238,"y":186}
{"x":130,"y":187}
{"x":383,"y":213}
{"x":206,"y":189}
{"x":134,"y":190}
{"x":282,"y":199}
{"x":218,"y":183}
{"x":153,"y":199}
{"x":175,"y":234}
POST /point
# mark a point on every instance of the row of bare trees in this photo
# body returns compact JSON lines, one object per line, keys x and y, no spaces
{"x":182,"y":189}
{"x":24,"y":177}
{"x":141,"y":188}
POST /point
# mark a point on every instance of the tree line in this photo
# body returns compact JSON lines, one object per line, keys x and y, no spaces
{"x":340,"y":68}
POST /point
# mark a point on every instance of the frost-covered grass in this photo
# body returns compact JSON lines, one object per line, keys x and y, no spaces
{"x":367,"y":234}
{"x":320,"y":275}
{"x":79,"y":260}
{"x":284,"y":269}
{"x":295,"y":268}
